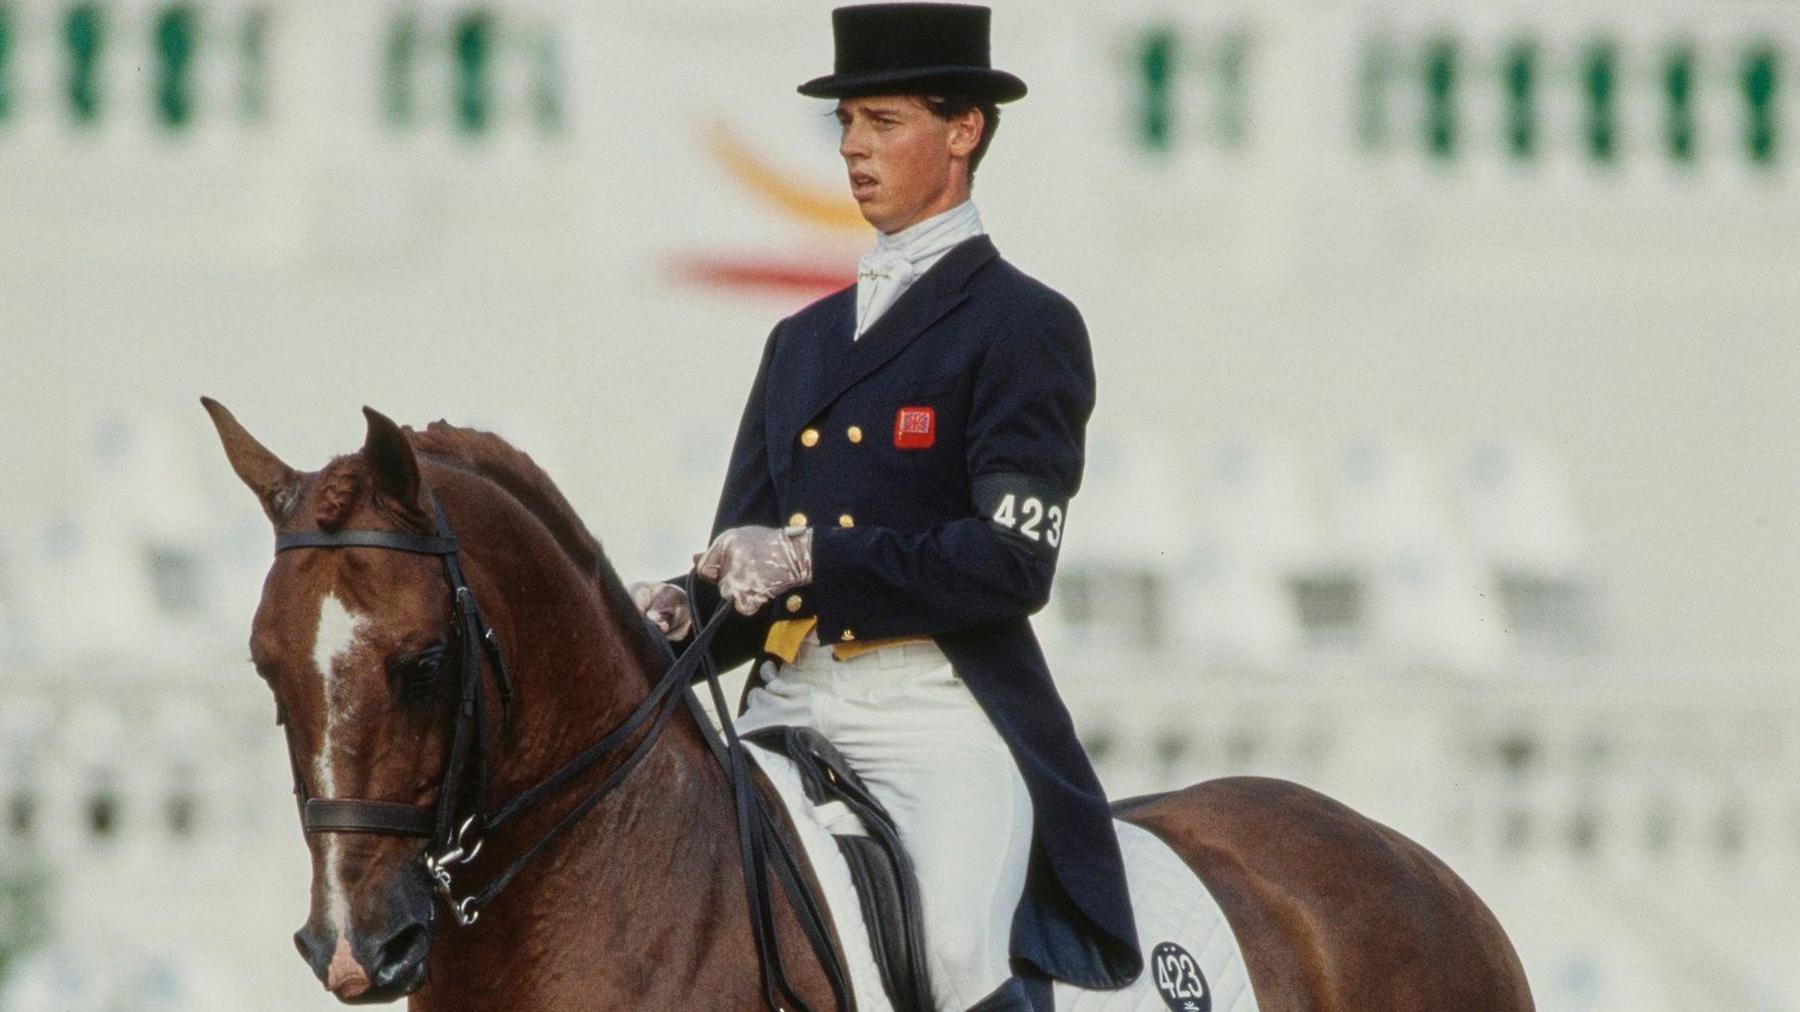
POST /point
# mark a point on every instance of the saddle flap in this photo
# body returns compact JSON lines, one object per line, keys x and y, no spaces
{"x":886,"y":887}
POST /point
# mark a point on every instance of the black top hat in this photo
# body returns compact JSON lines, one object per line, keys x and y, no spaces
{"x":914,"y":47}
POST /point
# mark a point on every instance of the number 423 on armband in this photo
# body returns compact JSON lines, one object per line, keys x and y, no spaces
{"x":1029,"y":518}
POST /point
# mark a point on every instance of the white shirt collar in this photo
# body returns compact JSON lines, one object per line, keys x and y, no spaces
{"x":897,"y":260}
{"x":923,"y":242}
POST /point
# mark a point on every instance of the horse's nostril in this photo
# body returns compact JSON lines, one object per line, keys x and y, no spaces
{"x":313,"y":948}
{"x":401,"y":954}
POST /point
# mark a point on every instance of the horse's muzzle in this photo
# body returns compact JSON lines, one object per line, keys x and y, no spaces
{"x":380,"y":962}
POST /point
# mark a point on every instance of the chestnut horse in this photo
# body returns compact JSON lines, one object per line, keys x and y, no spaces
{"x":641,"y":904}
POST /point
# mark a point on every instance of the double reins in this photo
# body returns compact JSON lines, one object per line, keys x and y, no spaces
{"x":455,"y":825}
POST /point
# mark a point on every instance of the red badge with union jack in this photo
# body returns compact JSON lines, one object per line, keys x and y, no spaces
{"x":915,"y":428}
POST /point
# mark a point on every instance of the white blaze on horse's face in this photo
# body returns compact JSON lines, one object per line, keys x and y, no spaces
{"x":338,"y":634}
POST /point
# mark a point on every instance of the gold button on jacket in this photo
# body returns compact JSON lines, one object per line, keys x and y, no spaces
{"x":846,"y":520}
{"x":810,"y":437}
{"x":797,"y":520}
{"x":793,"y":602}
{"x":854,"y":433}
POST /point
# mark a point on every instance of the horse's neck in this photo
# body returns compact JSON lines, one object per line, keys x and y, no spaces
{"x":601,"y":905}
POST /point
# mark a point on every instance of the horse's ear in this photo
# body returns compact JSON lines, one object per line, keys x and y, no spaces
{"x":273,"y":481}
{"x":389,"y":455}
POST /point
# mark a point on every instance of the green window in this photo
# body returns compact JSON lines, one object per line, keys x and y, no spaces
{"x":1678,"y":90}
{"x":253,"y":50}
{"x":398,"y":63}
{"x":1373,"y":78}
{"x":175,"y":31}
{"x":1600,"y":80}
{"x":1441,"y":71}
{"x":1156,"y":75}
{"x":474,"y":43}
{"x":546,"y":89}
{"x":6,"y":50}
{"x":1519,"y":71}
{"x":1761,"y":84}
{"x":84,"y":32}
{"x":1232,"y":67}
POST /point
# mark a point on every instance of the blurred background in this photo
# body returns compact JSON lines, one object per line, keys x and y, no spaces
{"x":1447,"y":456}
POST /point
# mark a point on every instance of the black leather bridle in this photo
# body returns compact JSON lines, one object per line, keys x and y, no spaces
{"x":456,"y":824}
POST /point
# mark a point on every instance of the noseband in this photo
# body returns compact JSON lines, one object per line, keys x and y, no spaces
{"x":456,"y":824}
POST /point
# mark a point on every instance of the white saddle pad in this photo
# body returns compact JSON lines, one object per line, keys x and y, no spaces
{"x":1192,"y":962}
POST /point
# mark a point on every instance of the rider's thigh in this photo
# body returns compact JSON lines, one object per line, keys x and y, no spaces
{"x":942,"y":771}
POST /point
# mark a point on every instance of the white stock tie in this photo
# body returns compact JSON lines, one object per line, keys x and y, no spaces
{"x":881,"y":275}
{"x":887,"y":271}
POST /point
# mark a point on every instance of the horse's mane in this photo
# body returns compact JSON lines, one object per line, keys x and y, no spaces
{"x":493,"y":458}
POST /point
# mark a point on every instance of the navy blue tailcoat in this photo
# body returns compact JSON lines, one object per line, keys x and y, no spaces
{"x":934,"y":458}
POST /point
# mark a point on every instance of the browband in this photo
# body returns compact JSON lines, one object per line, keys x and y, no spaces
{"x":400,"y":541}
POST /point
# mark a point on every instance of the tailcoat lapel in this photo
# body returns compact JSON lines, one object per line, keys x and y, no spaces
{"x":934,"y":295}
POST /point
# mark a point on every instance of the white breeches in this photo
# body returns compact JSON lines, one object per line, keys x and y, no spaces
{"x":928,"y":752}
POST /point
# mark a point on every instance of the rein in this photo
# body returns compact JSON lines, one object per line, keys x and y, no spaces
{"x":456,"y":825}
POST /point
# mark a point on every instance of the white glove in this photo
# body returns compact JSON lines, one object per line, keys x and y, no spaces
{"x":665,"y":604}
{"x":753,"y":564}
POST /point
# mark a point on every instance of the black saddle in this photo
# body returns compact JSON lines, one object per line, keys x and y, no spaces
{"x":886,"y":886}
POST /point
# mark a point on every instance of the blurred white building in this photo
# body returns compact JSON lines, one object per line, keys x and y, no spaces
{"x":1445,"y":461}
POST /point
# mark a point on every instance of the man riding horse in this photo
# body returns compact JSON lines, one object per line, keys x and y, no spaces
{"x":891,"y":516}
{"x":440,"y":631}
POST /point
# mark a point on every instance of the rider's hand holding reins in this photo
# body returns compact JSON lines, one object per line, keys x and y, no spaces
{"x":753,"y":564}
{"x":664,"y":604}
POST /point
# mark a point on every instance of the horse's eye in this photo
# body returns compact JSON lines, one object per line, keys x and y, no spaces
{"x":415,"y":674}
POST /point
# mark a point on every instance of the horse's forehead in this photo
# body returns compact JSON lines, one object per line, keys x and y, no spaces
{"x":307,"y":593}
{"x":340,"y":629}
{"x":307,"y":602}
